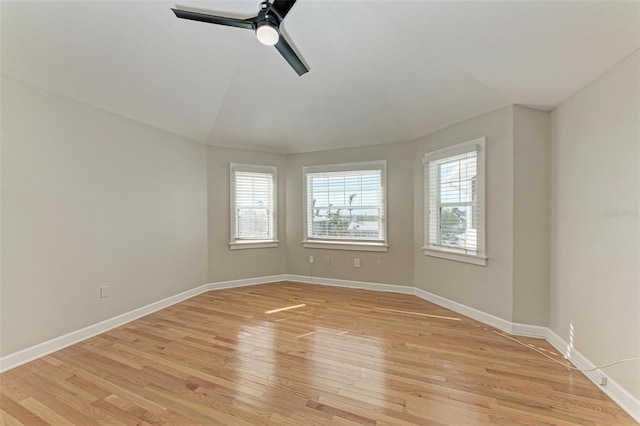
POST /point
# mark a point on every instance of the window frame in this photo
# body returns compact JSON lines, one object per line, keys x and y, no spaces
{"x":234,"y":242}
{"x":354,"y":244}
{"x":480,"y":257}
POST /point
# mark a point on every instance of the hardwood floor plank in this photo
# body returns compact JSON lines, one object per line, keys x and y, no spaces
{"x":7,"y":419}
{"x":20,"y":413}
{"x":120,"y":414}
{"x":336,"y":412}
{"x":299,"y":354}
{"x":44,"y":412}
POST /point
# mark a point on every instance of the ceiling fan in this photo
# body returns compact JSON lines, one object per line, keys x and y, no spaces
{"x":266,"y":25}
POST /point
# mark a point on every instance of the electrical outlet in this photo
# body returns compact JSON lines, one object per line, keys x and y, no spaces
{"x":602,"y":380}
{"x":310,"y":259}
{"x":104,"y":291}
{"x":327,"y":260}
{"x":356,"y":263}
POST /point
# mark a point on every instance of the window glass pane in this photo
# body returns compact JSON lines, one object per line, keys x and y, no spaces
{"x":345,"y":205}
{"x":254,"y":214}
{"x":456,"y":180}
{"x":474,"y":220}
{"x":453,"y":214}
{"x":253,"y":224}
{"x":453,"y":227}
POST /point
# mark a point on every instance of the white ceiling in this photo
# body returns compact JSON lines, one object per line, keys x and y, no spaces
{"x":381,"y":71}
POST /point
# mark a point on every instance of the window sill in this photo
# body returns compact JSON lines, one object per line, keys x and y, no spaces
{"x":252,"y":245}
{"x":459,"y":257}
{"x":346,"y":245}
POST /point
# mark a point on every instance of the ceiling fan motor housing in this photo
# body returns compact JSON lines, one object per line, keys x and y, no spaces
{"x":271,"y":20}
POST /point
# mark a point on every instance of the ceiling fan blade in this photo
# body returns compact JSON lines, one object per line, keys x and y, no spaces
{"x":287,"y":53}
{"x":282,"y":7}
{"x":212,"y":19}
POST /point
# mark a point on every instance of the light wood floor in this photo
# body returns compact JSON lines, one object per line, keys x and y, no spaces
{"x":345,"y":357}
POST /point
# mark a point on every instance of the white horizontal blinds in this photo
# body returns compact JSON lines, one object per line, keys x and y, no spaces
{"x":253,"y":205}
{"x":346,"y":205}
{"x":454,"y":202}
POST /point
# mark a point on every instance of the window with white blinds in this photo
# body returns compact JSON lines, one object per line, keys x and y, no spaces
{"x":345,"y":204}
{"x":454,"y":201}
{"x":253,"y":206}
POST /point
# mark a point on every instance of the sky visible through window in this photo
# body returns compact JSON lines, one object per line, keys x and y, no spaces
{"x":361,"y":193}
{"x":346,"y":204}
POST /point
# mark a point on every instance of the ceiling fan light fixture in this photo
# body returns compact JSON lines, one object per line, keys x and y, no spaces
{"x":266,"y":25}
{"x":267,"y":34}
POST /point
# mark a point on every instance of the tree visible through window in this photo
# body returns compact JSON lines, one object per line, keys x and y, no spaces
{"x":454,"y":205}
{"x":346,"y":202}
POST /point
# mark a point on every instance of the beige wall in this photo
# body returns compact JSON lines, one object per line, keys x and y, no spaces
{"x":226,"y":264}
{"x":595,"y":273}
{"x":395,"y":266}
{"x":531,"y":138}
{"x":488,"y":288}
{"x":91,"y":199}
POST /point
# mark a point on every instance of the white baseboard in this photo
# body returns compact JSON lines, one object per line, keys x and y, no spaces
{"x":45,"y":348}
{"x":528,"y":330}
{"x":220,"y":285}
{"x":16,"y":359}
{"x":485,"y":318}
{"x":363,"y":285}
{"x":617,"y":393}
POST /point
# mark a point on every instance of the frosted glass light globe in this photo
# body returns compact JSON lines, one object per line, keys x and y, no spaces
{"x":267,"y":35}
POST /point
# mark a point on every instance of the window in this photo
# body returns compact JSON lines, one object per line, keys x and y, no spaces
{"x":253,"y":206}
{"x":345,"y":206}
{"x":454,"y":202}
